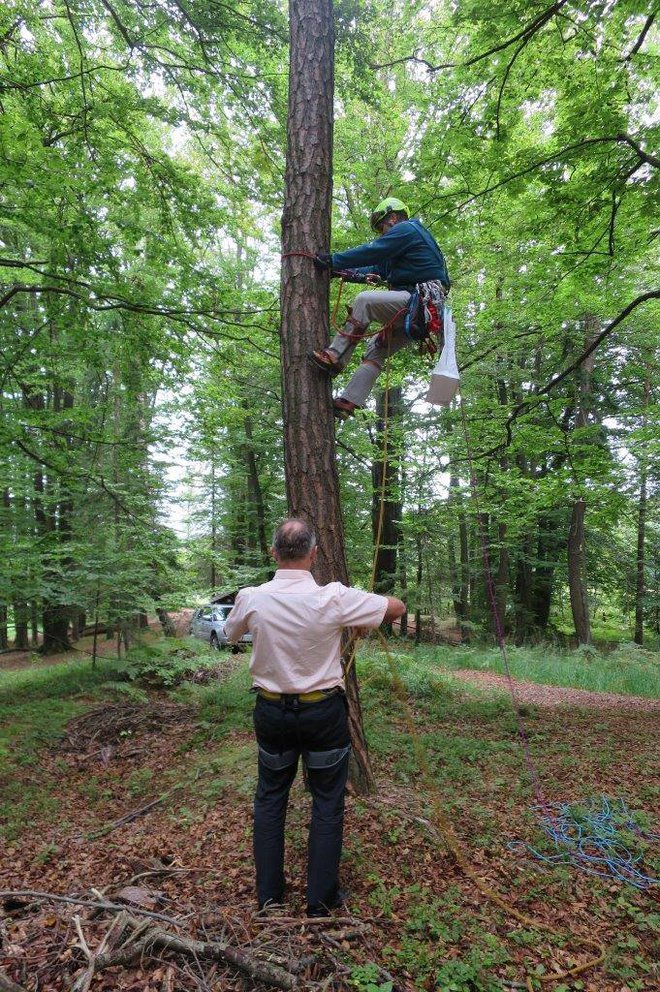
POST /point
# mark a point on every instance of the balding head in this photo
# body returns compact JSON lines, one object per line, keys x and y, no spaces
{"x":293,"y":540}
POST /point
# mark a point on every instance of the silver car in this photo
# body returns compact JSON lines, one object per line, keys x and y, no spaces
{"x":208,"y":623}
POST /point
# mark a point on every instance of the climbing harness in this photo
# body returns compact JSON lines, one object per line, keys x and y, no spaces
{"x":424,"y":312}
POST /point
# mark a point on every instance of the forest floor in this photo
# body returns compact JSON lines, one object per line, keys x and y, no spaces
{"x":146,"y":802}
{"x":553,"y":695}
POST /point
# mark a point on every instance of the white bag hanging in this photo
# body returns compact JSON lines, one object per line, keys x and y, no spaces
{"x":445,"y":378}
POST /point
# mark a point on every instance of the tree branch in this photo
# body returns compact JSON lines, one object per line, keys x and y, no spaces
{"x":527,"y":32}
{"x":530,"y":404}
{"x":640,"y":41}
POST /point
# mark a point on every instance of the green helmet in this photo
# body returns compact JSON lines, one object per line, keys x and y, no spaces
{"x":389,"y":206}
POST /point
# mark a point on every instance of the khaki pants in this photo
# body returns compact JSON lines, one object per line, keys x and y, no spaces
{"x":382,"y":306}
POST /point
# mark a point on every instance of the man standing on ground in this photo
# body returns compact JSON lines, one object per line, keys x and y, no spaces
{"x":300,"y":709}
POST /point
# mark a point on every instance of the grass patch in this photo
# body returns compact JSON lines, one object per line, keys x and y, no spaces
{"x":629,"y":670}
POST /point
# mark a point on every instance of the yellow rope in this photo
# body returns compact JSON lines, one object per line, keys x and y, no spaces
{"x":438,"y":817}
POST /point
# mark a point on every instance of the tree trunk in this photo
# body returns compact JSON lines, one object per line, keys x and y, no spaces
{"x":418,"y":586}
{"x":169,"y":630}
{"x":214,"y":527}
{"x":547,"y":552}
{"x":640,"y":579}
{"x":386,"y":502}
{"x":576,"y":573}
{"x":4,"y":638}
{"x":639,"y":568}
{"x":21,"y":618}
{"x":502,"y":576}
{"x":524,"y":588}
{"x":34,"y":624}
{"x":257,"y":509}
{"x":403,"y":574}
{"x":312,"y":482}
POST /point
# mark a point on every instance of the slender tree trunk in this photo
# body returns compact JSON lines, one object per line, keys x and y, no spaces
{"x":312,"y":482}
{"x":55,"y":615}
{"x":547,"y":552}
{"x":577,"y":569}
{"x":640,"y":579}
{"x":418,"y":584}
{"x":524,"y":589}
{"x":403,"y":574}
{"x":256,"y":499}
{"x":214,"y":526}
{"x":502,"y":576}
{"x":21,"y":619}
{"x":577,"y":573}
{"x":4,"y":634}
{"x":639,"y":570}
{"x":386,"y":501}
{"x":34,"y":624}
{"x":169,"y":630}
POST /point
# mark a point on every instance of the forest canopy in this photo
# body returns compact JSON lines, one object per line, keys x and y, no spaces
{"x":142,"y":157}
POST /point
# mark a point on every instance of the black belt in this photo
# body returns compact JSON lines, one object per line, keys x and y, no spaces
{"x":296,"y":697}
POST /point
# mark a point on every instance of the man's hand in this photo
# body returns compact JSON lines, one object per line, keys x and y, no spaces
{"x":323,"y":261}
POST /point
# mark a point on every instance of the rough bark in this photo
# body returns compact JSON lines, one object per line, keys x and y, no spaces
{"x":312,"y":482}
{"x":386,"y":504}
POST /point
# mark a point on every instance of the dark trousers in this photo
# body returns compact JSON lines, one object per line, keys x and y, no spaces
{"x":318,"y":732}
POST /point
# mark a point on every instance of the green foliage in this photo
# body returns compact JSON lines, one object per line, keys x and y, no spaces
{"x":165,"y":663}
{"x":365,"y":978}
{"x":141,"y":161}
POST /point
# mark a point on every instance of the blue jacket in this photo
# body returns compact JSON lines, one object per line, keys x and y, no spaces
{"x":405,"y":255}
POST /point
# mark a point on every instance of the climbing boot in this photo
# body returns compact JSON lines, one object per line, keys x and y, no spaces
{"x":325,"y":362}
{"x":343,"y":409}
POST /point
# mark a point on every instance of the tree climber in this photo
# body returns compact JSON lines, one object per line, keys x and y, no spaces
{"x":406,"y":256}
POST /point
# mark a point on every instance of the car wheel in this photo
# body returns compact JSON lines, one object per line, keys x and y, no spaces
{"x":214,"y":642}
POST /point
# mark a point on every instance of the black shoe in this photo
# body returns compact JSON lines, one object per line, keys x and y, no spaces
{"x":320,"y":910}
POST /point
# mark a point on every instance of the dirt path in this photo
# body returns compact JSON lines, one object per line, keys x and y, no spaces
{"x":551,"y":695}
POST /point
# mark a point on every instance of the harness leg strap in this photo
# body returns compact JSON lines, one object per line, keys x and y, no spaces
{"x":318,"y":760}
{"x":277,"y":762}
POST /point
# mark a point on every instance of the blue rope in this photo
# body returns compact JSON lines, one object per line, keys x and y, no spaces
{"x":588,"y":836}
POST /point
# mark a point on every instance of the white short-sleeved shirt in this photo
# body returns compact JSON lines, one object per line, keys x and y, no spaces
{"x":296,"y":628}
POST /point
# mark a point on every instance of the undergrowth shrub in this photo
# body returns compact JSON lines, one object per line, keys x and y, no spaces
{"x":163,"y":664}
